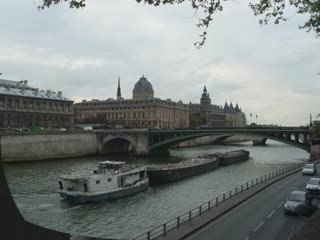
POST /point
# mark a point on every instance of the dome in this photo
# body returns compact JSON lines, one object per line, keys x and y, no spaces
{"x":143,"y":89}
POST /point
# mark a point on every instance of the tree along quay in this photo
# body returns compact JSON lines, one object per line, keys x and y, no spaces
{"x":216,"y":207}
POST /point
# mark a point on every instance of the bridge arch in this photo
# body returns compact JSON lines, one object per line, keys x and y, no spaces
{"x":115,"y":144}
{"x":296,"y":137}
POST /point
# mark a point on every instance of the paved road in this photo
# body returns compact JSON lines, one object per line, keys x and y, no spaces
{"x":259,"y":218}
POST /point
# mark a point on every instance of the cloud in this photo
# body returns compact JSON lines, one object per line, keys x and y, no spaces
{"x":270,"y":71}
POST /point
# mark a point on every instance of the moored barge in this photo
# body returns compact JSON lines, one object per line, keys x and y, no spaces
{"x":205,"y":163}
{"x":177,"y":171}
{"x":229,"y":157}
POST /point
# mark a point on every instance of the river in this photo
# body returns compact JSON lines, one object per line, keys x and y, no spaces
{"x":34,"y":187}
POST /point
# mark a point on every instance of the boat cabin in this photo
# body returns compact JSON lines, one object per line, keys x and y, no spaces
{"x":109,"y":176}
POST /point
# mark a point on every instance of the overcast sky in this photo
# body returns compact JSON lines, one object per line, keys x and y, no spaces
{"x":270,"y":71}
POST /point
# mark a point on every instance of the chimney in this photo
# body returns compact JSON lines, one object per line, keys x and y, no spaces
{"x":22,"y":89}
{"x":36,"y":91}
{"x":60,"y":94}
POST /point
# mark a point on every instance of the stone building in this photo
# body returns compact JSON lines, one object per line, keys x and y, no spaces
{"x":22,"y":106}
{"x":217,"y":116}
{"x":234,"y":116}
{"x":143,"y":110}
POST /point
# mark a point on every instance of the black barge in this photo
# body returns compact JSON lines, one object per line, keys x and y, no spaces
{"x":173,"y":172}
{"x":229,"y":157}
{"x":177,"y":171}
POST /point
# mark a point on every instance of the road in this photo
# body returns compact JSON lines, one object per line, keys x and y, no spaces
{"x":259,"y":218}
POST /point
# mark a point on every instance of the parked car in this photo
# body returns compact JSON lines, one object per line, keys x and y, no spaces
{"x":299,"y":202}
{"x":309,"y":169}
{"x":313,"y":185}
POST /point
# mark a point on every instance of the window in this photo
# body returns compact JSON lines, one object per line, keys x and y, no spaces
{"x":109,"y":179}
{"x":98,"y":182}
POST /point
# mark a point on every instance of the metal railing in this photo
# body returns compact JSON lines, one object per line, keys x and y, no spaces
{"x":210,"y":205}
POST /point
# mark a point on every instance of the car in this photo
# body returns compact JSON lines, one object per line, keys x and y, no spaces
{"x":309,"y":169}
{"x":300,"y":203}
{"x":313,"y":185}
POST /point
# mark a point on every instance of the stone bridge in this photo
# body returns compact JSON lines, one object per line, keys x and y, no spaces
{"x":146,"y":142}
{"x":27,"y":146}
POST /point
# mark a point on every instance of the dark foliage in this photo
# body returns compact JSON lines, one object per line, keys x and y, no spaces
{"x":315,"y":130}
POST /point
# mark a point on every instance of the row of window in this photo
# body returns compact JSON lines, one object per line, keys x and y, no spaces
{"x":125,"y":103}
{"x":11,"y":104}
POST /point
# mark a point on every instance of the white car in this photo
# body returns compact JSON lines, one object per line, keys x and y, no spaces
{"x":309,"y":169}
{"x":313,"y":185}
{"x":295,"y":199}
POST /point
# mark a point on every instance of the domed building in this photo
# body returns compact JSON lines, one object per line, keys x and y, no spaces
{"x":143,"y":89}
{"x":143,"y":110}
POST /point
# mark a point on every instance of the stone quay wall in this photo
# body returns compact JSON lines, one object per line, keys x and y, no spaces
{"x":40,"y":146}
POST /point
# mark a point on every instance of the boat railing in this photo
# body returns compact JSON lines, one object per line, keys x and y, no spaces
{"x":113,"y":171}
{"x":176,"y":223}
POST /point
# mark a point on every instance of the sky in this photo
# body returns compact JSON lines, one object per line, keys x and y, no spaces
{"x":270,"y":71}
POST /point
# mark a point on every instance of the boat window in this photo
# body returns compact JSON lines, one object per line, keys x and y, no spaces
{"x":109,"y":179}
{"x":98,"y":182}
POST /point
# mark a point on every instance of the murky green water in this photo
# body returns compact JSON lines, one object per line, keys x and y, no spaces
{"x":34,"y":186}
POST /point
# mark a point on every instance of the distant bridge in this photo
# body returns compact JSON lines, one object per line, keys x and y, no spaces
{"x":299,"y":137}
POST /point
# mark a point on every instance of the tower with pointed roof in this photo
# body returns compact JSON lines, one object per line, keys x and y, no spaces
{"x":119,"y":90}
{"x":205,"y":101}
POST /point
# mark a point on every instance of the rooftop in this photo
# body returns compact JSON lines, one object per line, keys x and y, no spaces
{"x":21,"y":88}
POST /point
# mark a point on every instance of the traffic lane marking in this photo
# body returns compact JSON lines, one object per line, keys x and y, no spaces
{"x":257,"y":228}
{"x":280,"y":204}
{"x":270,"y":214}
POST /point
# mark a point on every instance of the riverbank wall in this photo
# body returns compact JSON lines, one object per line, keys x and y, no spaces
{"x":41,"y":146}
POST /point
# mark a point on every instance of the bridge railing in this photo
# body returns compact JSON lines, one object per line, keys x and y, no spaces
{"x":162,"y":229}
{"x":230,"y":128}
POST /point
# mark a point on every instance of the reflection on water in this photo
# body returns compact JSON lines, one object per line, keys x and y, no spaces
{"x":34,"y":188}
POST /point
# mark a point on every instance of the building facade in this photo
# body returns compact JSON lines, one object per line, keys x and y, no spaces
{"x":217,"y":116}
{"x":22,"y":106}
{"x":143,"y":110}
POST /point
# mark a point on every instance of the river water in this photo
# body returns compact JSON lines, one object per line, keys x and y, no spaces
{"x":34,"y":187}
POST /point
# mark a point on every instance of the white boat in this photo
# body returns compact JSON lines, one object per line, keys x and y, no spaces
{"x":111,"y":180}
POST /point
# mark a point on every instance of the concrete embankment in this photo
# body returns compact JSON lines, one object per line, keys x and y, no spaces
{"x":29,"y":147}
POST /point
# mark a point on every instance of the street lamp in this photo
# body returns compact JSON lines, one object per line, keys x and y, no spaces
{"x":250,"y":118}
{"x":257,"y":119}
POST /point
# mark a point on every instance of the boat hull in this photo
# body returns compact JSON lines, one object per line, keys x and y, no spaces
{"x":227,"y":160}
{"x":78,"y":197}
{"x":169,"y":175}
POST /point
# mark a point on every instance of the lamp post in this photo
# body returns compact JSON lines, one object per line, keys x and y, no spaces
{"x":250,"y":118}
{"x":257,"y":119}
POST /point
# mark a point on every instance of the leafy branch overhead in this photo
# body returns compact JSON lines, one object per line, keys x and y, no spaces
{"x":267,"y":10}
